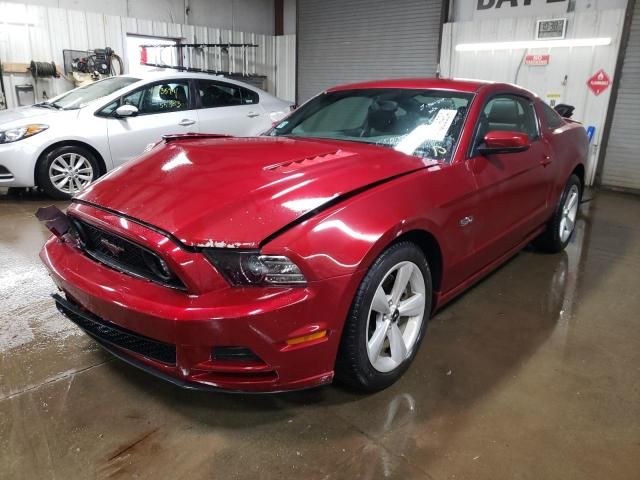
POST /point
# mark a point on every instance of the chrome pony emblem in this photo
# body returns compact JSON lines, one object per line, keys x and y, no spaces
{"x":114,"y":249}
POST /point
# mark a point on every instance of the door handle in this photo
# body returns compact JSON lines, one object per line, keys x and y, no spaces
{"x":253,"y":114}
{"x":546,"y":160}
{"x":185,"y":122}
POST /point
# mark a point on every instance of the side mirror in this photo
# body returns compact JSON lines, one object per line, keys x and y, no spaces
{"x":504,"y":142}
{"x":124,"y":111}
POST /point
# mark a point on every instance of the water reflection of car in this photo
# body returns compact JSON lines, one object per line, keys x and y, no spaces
{"x":275,"y":262}
{"x":65,"y":143}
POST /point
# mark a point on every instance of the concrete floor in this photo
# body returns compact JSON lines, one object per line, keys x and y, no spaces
{"x":533,"y":374}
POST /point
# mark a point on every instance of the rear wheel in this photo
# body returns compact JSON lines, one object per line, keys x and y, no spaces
{"x":67,"y":170}
{"x":561,"y":226}
{"x":387,"y":319}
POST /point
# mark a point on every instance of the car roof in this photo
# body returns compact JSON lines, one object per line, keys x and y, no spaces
{"x":161,"y":74}
{"x":460,"y":85}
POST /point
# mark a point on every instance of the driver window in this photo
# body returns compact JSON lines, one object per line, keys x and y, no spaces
{"x":160,"y":98}
{"x":507,"y":113}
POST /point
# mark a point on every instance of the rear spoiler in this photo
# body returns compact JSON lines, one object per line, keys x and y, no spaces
{"x":564,"y":110}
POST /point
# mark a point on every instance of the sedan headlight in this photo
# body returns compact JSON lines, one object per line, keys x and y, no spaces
{"x":252,"y":268}
{"x":19,"y":133}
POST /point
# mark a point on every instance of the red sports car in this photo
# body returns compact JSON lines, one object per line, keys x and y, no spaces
{"x":322,"y":248}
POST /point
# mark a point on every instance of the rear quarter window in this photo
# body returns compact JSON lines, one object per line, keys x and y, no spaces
{"x":551,"y":117}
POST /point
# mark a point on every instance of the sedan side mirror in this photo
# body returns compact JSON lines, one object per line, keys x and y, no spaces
{"x":124,"y":111}
{"x":504,"y":142}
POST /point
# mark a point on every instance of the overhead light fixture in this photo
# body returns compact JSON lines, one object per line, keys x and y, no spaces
{"x":573,"y":42}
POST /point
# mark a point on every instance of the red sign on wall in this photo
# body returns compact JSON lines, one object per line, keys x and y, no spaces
{"x":537,"y":60}
{"x":599,"y":82}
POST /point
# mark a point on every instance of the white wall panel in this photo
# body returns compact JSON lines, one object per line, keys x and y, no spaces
{"x":286,"y":67}
{"x":240,"y":15}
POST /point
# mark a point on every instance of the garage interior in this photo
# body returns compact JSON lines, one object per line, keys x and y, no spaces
{"x":534,"y":373}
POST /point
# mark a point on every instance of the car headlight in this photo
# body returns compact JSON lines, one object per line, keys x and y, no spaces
{"x":19,"y":133}
{"x":252,"y":268}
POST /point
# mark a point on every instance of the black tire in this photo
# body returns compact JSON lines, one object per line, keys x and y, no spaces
{"x":550,"y":240}
{"x":43,"y":168}
{"x":353,"y":366}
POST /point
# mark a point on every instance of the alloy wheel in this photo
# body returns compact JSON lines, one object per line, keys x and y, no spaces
{"x":71,"y":173}
{"x":569,"y":213}
{"x":395,"y":316}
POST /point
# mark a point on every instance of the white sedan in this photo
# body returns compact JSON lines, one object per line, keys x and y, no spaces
{"x":64,"y":144}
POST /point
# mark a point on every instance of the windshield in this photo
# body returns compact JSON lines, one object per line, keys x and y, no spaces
{"x":425,"y":123}
{"x":81,"y":96}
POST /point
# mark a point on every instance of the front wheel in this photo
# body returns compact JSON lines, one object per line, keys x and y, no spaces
{"x":67,"y":170}
{"x":560,"y":227}
{"x":387,"y":319}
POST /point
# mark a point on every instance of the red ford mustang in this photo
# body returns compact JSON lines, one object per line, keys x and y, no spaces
{"x":321,"y":248}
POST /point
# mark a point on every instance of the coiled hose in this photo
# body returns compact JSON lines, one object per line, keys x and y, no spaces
{"x":43,"y":69}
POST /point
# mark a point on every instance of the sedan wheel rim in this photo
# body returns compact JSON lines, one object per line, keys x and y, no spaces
{"x":569,"y":213}
{"x":395,"y":316}
{"x":70,"y":173}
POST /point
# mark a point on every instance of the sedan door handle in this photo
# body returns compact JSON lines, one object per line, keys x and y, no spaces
{"x":546,"y":160}
{"x":253,"y":114}
{"x":185,"y":122}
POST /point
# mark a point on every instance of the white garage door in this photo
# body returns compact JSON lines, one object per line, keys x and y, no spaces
{"x":622,"y":159}
{"x":349,"y":41}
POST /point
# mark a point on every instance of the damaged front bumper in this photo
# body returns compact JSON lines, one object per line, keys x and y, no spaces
{"x":213,"y":338}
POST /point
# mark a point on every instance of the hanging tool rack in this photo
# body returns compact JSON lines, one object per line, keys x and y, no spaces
{"x":205,"y":54}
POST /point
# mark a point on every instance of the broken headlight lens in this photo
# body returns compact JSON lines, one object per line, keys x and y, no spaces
{"x":252,"y":268}
{"x":15,"y":134}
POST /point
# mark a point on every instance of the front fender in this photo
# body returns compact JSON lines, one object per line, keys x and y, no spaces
{"x":347,"y":238}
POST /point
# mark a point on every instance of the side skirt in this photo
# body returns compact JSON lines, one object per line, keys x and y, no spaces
{"x":443,"y":298}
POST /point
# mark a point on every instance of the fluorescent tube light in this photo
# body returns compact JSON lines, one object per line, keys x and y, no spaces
{"x":573,"y":42}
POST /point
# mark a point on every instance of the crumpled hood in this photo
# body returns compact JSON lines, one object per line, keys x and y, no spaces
{"x":235,"y":192}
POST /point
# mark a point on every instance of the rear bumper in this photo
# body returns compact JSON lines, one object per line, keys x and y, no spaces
{"x":259,"y":319}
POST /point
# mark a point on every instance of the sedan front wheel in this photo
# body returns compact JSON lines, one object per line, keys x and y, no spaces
{"x":387,"y":319}
{"x":67,"y":170}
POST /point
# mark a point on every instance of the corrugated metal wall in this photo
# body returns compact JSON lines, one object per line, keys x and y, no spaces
{"x":622,"y":159}
{"x":29,"y":32}
{"x":342,"y":42}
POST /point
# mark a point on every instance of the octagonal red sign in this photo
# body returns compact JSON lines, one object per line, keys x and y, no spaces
{"x":599,"y":82}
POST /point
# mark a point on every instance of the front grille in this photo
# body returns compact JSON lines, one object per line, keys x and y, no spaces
{"x":113,"y":335}
{"x":124,"y":255}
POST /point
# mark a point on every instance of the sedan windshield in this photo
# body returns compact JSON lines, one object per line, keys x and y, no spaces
{"x":81,"y":96}
{"x":425,"y":123}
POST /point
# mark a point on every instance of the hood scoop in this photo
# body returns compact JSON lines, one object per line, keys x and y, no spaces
{"x":293,"y":165}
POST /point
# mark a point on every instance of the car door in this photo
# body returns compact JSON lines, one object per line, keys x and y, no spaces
{"x":229,"y":109}
{"x":512,"y":187}
{"x":164,"y":107}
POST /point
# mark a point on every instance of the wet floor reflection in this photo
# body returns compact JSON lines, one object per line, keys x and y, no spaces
{"x":533,"y":373}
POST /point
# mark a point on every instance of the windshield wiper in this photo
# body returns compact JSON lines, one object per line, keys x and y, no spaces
{"x":53,"y":106}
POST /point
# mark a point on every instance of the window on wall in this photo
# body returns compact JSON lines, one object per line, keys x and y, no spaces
{"x":161,"y":56}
